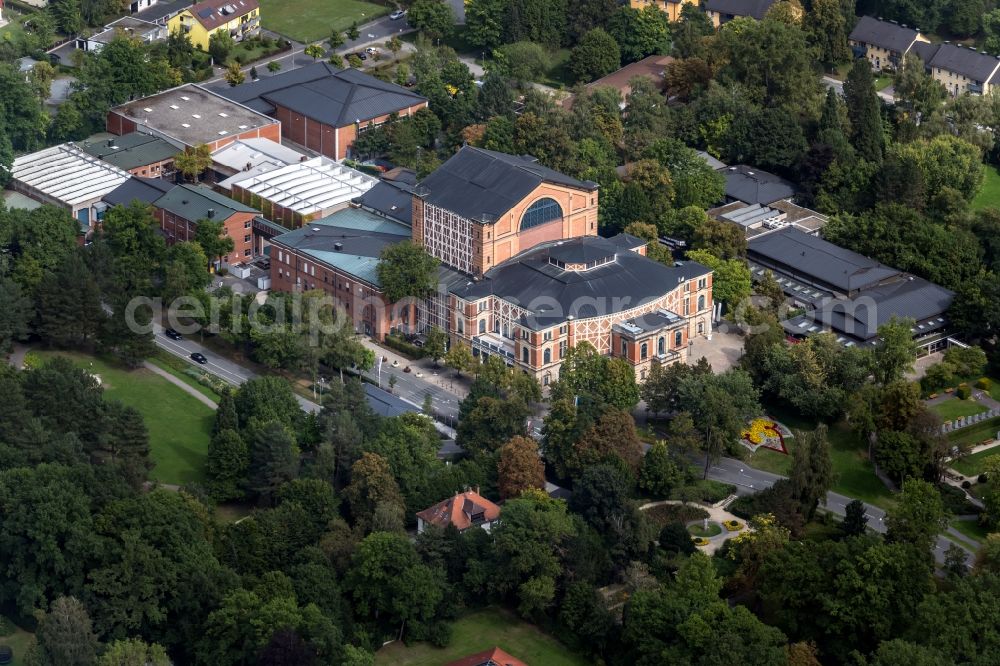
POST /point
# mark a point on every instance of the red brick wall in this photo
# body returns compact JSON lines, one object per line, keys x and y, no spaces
{"x":179,"y":230}
{"x":326,"y":139}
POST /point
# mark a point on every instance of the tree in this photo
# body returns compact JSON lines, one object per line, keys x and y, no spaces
{"x":15,"y":313}
{"x":918,"y":516}
{"x":220,"y":45}
{"x":434,"y":345}
{"x":193,"y":162}
{"x":315,"y":51}
{"x":519,"y":468}
{"x":491,"y":422}
{"x":718,"y":239}
{"x":133,"y":652}
{"x":395,"y":45}
{"x":227,"y":465}
{"x":459,"y":358}
{"x":855,"y":519}
{"x":864,"y":110}
{"x":353,"y":32}
{"x":812,"y":469}
{"x":991,"y":467}
{"x":895,"y":352}
{"x":640,"y":32}
{"x":234,"y":74}
{"x":69,"y":305}
{"x":67,"y":16}
{"x":695,"y":182}
{"x":485,"y":22}
{"x":690,"y":31}
{"x":675,"y":538}
{"x":660,"y":473}
{"x":372,"y":486}
{"x":825,"y":24}
{"x":596,"y":55}
{"x":731,"y":282}
{"x":274,"y":66}
{"x":405,"y":269}
{"x":273,"y":460}
{"x":434,"y":18}
{"x":216,"y":245}
{"x":521,"y":61}
{"x":64,"y":636}
{"x":720,"y":406}
{"x":611,"y":381}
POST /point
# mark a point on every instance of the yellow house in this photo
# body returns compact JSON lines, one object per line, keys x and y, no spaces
{"x":241,"y":18}
{"x":672,"y":8}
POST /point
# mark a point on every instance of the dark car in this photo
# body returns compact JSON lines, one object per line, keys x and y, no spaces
{"x":172,"y":334}
{"x":198,"y":357}
{"x":361,"y":55}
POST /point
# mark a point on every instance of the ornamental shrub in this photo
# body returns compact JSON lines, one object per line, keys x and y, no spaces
{"x":963,"y":392}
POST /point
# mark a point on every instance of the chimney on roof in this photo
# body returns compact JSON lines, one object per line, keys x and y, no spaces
{"x":210,"y":214}
{"x":337,"y":247}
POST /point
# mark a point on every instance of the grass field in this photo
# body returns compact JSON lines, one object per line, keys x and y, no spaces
{"x":971,"y":529}
{"x":989,"y":194}
{"x":949,"y":410}
{"x":973,"y":465}
{"x":479,"y":631}
{"x":179,"y":425}
{"x":312,"y":20}
{"x":180,"y":368}
{"x":714,"y":529}
{"x":855,"y":475}
{"x":19,"y":641}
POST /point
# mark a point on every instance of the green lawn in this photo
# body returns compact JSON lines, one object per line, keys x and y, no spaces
{"x":989,"y":194}
{"x":184,"y":371}
{"x":179,"y":425}
{"x":949,"y":410}
{"x":481,"y":630}
{"x":855,"y":475}
{"x":883,"y":82}
{"x":313,"y":20}
{"x":714,"y":529}
{"x":971,"y":529}
{"x":19,"y":641}
{"x":973,"y":465}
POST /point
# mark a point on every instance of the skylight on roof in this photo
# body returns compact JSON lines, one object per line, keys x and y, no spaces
{"x":185,"y":98}
{"x":174,"y":107}
{"x":223,"y":114}
{"x":196,"y":115}
{"x":147,"y":109}
{"x":185,"y":125}
{"x":244,"y":126}
{"x":223,"y":132}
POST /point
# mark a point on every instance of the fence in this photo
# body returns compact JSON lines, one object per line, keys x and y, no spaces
{"x":966,"y":421}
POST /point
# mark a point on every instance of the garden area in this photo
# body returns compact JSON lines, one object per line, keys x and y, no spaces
{"x":180,"y":426}
{"x":482,"y":630}
{"x":313,"y":20}
{"x":16,"y":638}
{"x":972,"y":465}
{"x":989,"y":193}
{"x":954,"y":408}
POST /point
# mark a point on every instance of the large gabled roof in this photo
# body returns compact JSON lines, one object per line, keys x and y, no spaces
{"x":130,"y":151}
{"x":196,"y":202}
{"x":482,"y":185}
{"x":965,"y":62}
{"x":884,"y":34}
{"x":752,"y":185}
{"x":810,"y":255}
{"x":321,"y":92}
{"x":137,"y":188}
{"x":753,"y":8}
{"x":458,"y":510}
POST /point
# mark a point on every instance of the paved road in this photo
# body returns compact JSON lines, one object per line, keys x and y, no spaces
{"x":750,"y":480}
{"x":838,"y":87}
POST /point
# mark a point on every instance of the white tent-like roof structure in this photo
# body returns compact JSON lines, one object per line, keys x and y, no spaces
{"x":315,"y":185}
{"x":67,"y":174}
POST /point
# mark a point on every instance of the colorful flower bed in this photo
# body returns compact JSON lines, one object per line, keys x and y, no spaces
{"x":764,"y":432}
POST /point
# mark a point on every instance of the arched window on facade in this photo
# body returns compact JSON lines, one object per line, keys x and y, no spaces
{"x":701,"y":302}
{"x":661,"y":346}
{"x":547,"y":356}
{"x":678,"y":339}
{"x":643,"y":351}
{"x":540,"y":212}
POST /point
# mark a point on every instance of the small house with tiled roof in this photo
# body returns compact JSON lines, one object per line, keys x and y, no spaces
{"x":493,"y":657}
{"x":464,"y":510}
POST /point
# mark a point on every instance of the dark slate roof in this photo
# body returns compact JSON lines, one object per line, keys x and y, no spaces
{"x":163,"y":9}
{"x":321,"y":92}
{"x":810,"y":255}
{"x":136,"y":188}
{"x":482,"y":185}
{"x":192,"y":203}
{"x":554,"y":294}
{"x":130,"y":151}
{"x":751,"y":185}
{"x":753,"y":8}
{"x":393,"y":199}
{"x":386,"y":404}
{"x":965,"y":62}
{"x":925,"y":50}
{"x":884,"y":34}
{"x":860,"y":318}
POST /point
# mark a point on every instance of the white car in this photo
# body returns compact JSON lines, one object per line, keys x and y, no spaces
{"x":398,"y":14}
{"x":371,"y":50}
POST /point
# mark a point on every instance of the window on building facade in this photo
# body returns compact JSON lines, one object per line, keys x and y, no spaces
{"x":547,"y":356}
{"x":540,"y":212}
{"x":702,"y":283}
{"x":246,"y":225}
{"x":524,"y":354}
{"x":701,"y":327}
{"x":643,"y":351}
{"x":460,"y":325}
{"x":624,"y":348}
{"x":562,"y":349}
{"x":661,"y":346}
{"x":246,"y":238}
{"x":701,"y":302}
{"x":678,"y":339}
{"x":482,"y":326}
{"x":482,"y":306}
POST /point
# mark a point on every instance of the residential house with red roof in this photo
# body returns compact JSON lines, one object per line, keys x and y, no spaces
{"x":464,"y":510}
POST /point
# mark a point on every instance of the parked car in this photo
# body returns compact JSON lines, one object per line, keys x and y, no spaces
{"x":372,"y":51}
{"x":361,"y":55}
{"x":172,"y":334}
{"x":398,"y":14}
{"x":199,"y":358}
